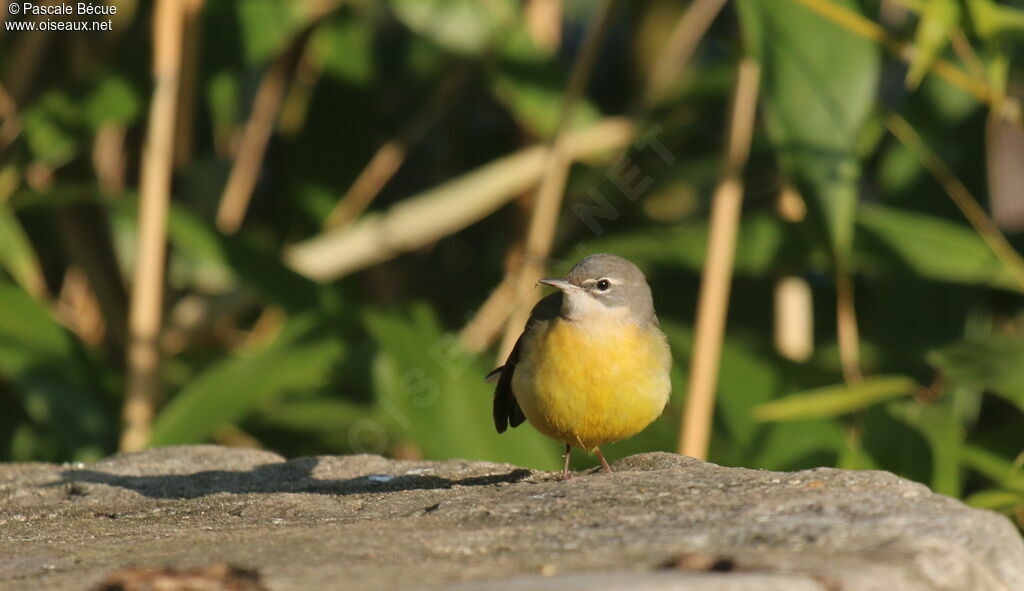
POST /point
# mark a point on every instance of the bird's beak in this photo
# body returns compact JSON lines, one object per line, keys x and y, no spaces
{"x":561,"y":284}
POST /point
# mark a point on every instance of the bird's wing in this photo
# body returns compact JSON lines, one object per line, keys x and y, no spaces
{"x":506,"y":408}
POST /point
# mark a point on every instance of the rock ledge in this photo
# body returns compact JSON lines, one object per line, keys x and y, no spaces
{"x":365,"y":522}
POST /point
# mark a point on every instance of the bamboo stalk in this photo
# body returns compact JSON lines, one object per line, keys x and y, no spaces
{"x":390,"y":156}
{"x":146,"y":305}
{"x":547,"y":204}
{"x":713,"y":300}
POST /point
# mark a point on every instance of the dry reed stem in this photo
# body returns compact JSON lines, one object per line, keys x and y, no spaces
{"x":794,"y":300}
{"x":390,"y":156}
{"x":447,"y":208}
{"x":713,"y":300}
{"x":968,"y":56}
{"x":234,"y":202}
{"x":78,"y":309}
{"x":109,"y":160}
{"x":847,"y":332}
{"x":295,"y":106}
{"x":685,"y":36}
{"x":191,"y":43}
{"x":23,"y":62}
{"x":485,"y":326}
{"x":544,"y":22}
{"x":963,"y":199}
{"x":10,"y":123}
{"x":86,"y":233}
{"x":146,"y":307}
{"x":540,"y":234}
{"x":794,"y":318}
{"x":1004,"y":149}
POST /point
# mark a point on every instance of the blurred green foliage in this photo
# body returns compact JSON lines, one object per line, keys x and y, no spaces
{"x":257,"y":354}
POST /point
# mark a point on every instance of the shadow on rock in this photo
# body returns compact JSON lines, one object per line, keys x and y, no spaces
{"x":286,"y":477}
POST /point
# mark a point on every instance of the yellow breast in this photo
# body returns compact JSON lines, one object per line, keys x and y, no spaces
{"x":594,"y":384}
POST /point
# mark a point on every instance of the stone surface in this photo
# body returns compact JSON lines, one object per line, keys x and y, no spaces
{"x":364,"y":522}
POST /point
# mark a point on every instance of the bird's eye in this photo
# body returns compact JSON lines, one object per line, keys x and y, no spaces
{"x":603,"y":285}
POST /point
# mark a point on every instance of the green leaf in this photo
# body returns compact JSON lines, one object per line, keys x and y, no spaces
{"x":268,"y":25}
{"x":466,"y":27}
{"x":16,"y":253}
{"x":531,"y":84}
{"x":939,"y":423}
{"x":995,"y":363}
{"x":345,"y":48}
{"x":937,"y":21}
{"x":818,"y":89}
{"x":796,"y":445}
{"x":113,"y":100}
{"x":992,"y":20}
{"x":835,"y":400}
{"x":40,"y":361}
{"x":200,"y":252}
{"x":1003,"y":472}
{"x":1005,"y":501}
{"x":317,"y":415}
{"x":433,"y":393}
{"x":853,"y":456}
{"x":51,"y":126}
{"x":222,"y":98}
{"x":892,"y":442}
{"x":300,"y":358}
{"x":897,"y":241}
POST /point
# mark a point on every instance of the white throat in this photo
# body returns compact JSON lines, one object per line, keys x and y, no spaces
{"x":580,"y":306}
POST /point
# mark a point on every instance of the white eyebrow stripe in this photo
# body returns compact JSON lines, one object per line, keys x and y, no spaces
{"x":608,"y":279}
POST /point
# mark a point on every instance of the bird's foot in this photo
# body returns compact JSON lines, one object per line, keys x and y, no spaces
{"x":604,"y":462}
{"x":566,"y":474}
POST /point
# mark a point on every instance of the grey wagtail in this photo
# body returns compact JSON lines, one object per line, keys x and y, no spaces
{"x":592,"y":366}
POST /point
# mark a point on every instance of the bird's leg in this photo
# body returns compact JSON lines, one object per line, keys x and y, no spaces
{"x":604,"y":462}
{"x":566,"y":475}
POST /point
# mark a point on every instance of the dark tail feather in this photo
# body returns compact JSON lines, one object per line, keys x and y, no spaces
{"x":494,"y":375}
{"x":506,"y":408}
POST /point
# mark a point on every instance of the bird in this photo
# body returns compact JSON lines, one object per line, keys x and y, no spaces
{"x":592,"y":365}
